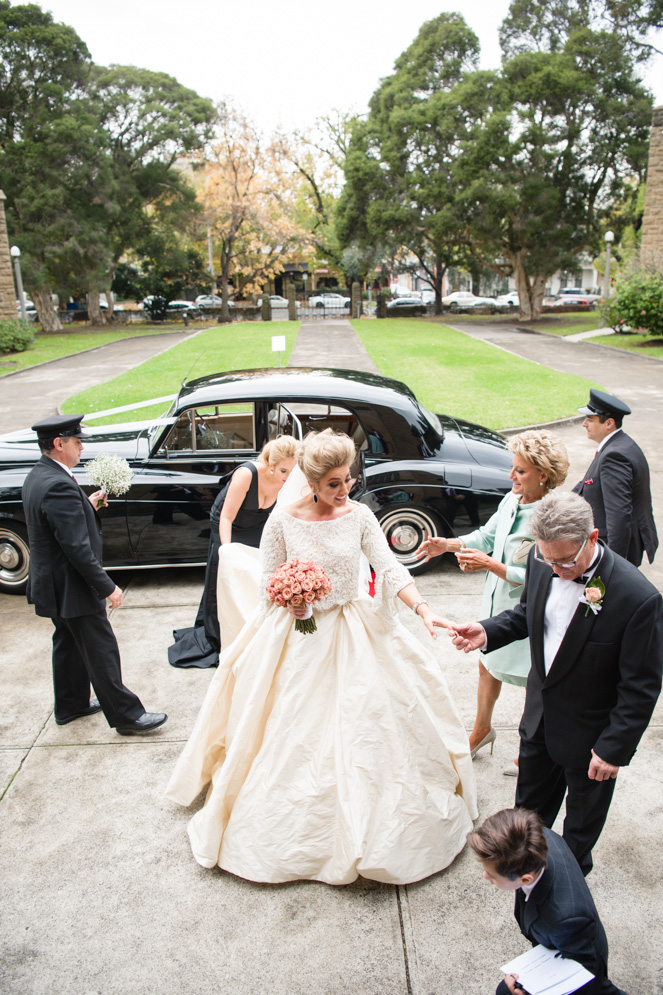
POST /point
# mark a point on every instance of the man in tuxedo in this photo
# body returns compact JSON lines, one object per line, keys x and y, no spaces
{"x":68,"y":584}
{"x":616,"y":484}
{"x":595,"y":627}
{"x":553,"y":906}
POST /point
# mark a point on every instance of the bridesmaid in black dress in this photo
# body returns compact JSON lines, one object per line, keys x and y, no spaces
{"x":238,"y":514}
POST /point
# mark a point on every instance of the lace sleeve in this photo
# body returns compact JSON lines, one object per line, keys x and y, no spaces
{"x":272,"y":555}
{"x":390,"y":576}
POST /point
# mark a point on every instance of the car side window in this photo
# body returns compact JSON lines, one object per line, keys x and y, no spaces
{"x":215,"y":427}
{"x":317,"y":417}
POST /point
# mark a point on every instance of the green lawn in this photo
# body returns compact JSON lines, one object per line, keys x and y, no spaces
{"x":451,"y":372}
{"x":240,"y":346}
{"x":644,"y":345}
{"x":55,"y":346}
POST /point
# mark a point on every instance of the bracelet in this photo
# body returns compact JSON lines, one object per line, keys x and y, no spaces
{"x":418,"y":604}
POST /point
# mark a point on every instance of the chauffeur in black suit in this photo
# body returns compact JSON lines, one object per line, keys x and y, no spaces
{"x":68,"y":584}
{"x":616,"y":484}
{"x":595,"y":674}
{"x":553,"y":906}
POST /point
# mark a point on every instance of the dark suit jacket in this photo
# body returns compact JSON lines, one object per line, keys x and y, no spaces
{"x":561,"y":915}
{"x":606,"y":677}
{"x":66,"y":578}
{"x":616,"y":485}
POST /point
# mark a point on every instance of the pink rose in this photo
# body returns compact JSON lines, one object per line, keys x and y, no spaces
{"x":287,"y":593}
{"x":309,"y":597}
{"x":297,"y":599}
{"x":593,"y":595}
{"x":279,"y":600}
{"x":307,"y":585}
{"x":296,"y":588}
{"x":300,"y":576}
{"x":316,"y":584}
{"x":277,"y":585}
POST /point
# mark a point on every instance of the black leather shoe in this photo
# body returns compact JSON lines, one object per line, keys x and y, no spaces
{"x":146,"y":723}
{"x":91,"y":710}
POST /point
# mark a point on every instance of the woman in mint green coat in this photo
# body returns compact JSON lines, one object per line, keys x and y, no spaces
{"x":540,"y":463}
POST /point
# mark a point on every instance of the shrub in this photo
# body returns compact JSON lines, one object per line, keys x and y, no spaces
{"x":610,"y":316}
{"x":639,"y":301}
{"x":15,"y":335}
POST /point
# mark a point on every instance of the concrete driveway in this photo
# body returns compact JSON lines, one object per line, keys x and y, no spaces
{"x":100,"y":893}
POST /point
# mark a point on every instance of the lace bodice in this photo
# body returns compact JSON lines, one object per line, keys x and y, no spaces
{"x":335,"y":546}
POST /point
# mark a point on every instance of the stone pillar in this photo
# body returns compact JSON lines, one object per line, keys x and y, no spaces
{"x":292,"y":307}
{"x":651,"y":246}
{"x":266,"y":307}
{"x":356,"y":309}
{"x":7,"y":291}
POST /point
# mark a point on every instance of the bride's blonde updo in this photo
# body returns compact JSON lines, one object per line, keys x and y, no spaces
{"x":280,"y":448}
{"x":321,"y":452}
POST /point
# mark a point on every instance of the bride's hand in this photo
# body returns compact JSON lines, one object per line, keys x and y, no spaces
{"x":299,"y":611}
{"x":433,"y":622}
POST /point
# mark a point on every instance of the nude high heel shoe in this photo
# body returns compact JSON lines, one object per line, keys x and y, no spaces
{"x":489,"y":739}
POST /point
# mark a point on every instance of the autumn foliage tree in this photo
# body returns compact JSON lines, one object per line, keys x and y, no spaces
{"x":246,"y":191}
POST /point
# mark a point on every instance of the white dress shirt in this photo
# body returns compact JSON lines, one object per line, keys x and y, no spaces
{"x":64,"y":466}
{"x":529,"y":888}
{"x":561,"y":605}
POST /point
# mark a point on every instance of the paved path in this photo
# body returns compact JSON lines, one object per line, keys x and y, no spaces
{"x":330,"y":342}
{"x":100,"y":894}
{"x":35,"y":393}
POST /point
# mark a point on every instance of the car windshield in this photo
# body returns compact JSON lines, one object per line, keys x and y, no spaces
{"x":433,"y":420}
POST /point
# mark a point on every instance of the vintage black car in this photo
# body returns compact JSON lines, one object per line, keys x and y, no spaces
{"x":420,"y":472}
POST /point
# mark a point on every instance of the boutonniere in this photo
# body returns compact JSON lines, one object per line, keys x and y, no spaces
{"x":588,"y":482}
{"x":593,"y":596}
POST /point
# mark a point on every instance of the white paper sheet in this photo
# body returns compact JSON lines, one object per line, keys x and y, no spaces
{"x":545,"y":972}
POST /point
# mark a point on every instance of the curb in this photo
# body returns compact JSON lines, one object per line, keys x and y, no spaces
{"x":558,"y":423}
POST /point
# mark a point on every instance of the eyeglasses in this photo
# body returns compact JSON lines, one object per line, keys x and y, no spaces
{"x":560,"y":563}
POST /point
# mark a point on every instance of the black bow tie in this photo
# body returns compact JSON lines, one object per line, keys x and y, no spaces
{"x":582,"y":579}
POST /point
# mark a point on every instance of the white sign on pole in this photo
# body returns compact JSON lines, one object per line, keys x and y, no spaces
{"x":278,"y":343}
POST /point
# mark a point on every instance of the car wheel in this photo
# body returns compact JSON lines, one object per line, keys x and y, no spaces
{"x":405,"y":528}
{"x":14,"y":558}
{"x":453,"y":306}
{"x":320,"y":304}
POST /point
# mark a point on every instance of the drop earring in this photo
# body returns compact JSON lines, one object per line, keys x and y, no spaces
{"x":315,"y":497}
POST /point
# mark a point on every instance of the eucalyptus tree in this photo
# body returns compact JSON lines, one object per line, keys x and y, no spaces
{"x":399,"y":188}
{"x":555,"y":134}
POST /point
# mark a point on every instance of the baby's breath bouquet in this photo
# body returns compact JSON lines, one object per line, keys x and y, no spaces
{"x":111,"y":473}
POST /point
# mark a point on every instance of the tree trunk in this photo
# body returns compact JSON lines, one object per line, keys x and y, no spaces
{"x":530,"y":290}
{"x":438,"y":276}
{"x":48,"y":316}
{"x":110,"y":300}
{"x":94,"y":312}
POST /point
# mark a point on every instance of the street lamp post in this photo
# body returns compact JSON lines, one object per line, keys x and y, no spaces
{"x":15,"y":253}
{"x":609,"y":239}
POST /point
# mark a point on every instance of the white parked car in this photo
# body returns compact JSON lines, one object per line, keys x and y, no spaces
{"x":578,"y":292}
{"x":428,"y":296}
{"x":508,"y":300}
{"x":462,"y":299}
{"x":329,"y":301}
{"x":211,"y":300}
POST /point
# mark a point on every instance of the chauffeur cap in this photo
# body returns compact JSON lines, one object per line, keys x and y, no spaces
{"x":601,"y":403}
{"x":62,"y":426}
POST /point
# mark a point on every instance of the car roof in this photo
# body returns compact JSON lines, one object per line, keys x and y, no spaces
{"x":297,"y":382}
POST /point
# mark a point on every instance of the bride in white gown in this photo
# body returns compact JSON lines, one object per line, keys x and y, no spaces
{"x":335,"y":754}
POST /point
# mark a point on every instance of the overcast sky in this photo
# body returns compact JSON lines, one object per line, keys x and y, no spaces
{"x":282,"y":62}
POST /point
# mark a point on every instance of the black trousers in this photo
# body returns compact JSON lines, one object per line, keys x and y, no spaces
{"x":541,"y":787}
{"x":85,"y":652}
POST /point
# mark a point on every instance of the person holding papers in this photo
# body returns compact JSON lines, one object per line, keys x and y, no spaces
{"x":554,"y":906}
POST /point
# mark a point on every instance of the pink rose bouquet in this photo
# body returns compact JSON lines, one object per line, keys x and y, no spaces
{"x":297,"y":583}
